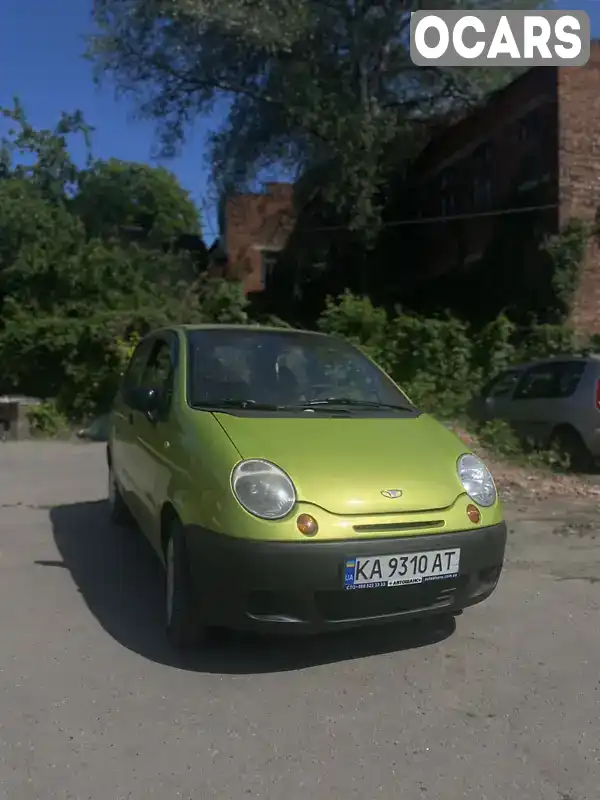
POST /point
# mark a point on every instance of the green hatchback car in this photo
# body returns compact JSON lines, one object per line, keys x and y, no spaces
{"x":287,"y":484}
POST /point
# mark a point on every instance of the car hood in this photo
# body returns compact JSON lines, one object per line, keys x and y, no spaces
{"x":344,"y":464}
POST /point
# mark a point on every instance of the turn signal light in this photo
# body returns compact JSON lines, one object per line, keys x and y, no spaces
{"x":307,"y":525}
{"x":474,"y":514}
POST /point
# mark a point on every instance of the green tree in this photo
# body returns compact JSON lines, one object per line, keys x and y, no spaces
{"x":71,"y":291}
{"x":66,"y":299}
{"x":308,"y":82}
{"x":44,"y":157}
{"x":113,"y":195}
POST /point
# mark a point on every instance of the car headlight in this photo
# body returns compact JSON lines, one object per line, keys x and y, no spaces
{"x":263,"y":489}
{"x":476,"y":480}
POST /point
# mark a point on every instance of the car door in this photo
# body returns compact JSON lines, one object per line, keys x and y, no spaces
{"x":495,"y":401}
{"x":123,"y":438}
{"x":539,"y":401}
{"x":154,"y":440}
{"x":541,"y":398}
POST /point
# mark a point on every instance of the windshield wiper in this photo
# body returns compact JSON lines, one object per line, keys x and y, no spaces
{"x":348,"y":401}
{"x":254,"y":405}
{"x":250,"y":405}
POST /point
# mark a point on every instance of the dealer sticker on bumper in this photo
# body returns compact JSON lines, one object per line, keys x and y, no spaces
{"x":371,"y":572}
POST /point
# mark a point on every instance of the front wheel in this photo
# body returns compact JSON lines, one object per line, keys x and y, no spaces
{"x":569,"y":446}
{"x":184,"y":630}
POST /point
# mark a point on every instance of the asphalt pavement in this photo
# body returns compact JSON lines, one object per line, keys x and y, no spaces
{"x":94,"y":705}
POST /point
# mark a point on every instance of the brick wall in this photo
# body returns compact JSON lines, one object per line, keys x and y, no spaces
{"x":253,"y":223}
{"x":567,"y":149}
{"x":579,"y":174}
{"x":503,"y":106}
{"x":446,"y":244}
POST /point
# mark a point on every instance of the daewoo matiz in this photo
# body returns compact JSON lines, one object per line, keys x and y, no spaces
{"x":287,"y":484}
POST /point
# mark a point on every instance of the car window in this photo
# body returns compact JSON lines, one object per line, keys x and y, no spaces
{"x":135,"y":369}
{"x":550,"y":381}
{"x":235,"y":362}
{"x":569,"y":376}
{"x":503,"y":385}
{"x":286,"y":368}
{"x":159,"y":371}
{"x":334,"y":376}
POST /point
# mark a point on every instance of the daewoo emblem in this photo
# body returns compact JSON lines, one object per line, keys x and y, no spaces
{"x":393,"y":494}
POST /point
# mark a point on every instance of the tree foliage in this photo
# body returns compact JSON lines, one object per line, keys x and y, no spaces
{"x":326,"y":83}
{"x":72,"y":287}
{"x":441,"y":361}
{"x":113,"y":195}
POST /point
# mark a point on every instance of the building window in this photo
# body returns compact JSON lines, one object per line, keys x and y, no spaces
{"x":269,"y":259}
{"x":482,"y":180}
{"x":472,"y":261}
{"x":448,"y":194}
{"x":482,"y":193}
{"x":483,"y":154}
{"x":448,"y":205}
{"x":530,"y":171}
{"x":528,"y":126}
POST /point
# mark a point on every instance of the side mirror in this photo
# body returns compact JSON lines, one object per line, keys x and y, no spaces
{"x":145,"y":400}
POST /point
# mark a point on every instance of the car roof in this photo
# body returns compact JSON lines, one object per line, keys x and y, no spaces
{"x":552,"y":359}
{"x":241,"y":328}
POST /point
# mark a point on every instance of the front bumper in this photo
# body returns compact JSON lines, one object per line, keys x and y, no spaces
{"x":299,"y":586}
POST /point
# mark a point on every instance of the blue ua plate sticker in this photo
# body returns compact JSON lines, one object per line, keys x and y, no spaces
{"x":349,"y":574}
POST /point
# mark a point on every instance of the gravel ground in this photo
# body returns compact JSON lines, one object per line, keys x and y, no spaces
{"x":94,"y":705}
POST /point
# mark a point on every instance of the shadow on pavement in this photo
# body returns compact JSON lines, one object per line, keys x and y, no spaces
{"x":120,"y":579}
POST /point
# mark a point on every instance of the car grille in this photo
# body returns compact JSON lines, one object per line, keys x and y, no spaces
{"x":341,"y":605}
{"x":399,"y":526}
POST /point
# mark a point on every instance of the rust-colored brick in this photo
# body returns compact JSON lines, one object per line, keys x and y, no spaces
{"x":255,"y":224}
{"x":534,"y":149}
{"x":579,"y":173}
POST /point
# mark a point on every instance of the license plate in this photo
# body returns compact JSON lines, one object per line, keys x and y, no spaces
{"x":372,"y":572}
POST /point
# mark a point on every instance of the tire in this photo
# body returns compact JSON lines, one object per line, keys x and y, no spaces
{"x":566,"y":441}
{"x":183,"y":627}
{"x":119,"y":513}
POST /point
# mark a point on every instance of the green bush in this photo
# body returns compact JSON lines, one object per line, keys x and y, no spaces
{"x":220,"y":301}
{"x":431,"y":359}
{"x":442,"y":362}
{"x":499,"y":437}
{"x":358,"y":320}
{"x":493,"y":347}
{"x":46,"y":420}
{"x":540,"y":341}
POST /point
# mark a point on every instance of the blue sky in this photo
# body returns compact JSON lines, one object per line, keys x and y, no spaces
{"x":41,"y":62}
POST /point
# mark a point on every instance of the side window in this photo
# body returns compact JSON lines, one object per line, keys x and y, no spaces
{"x":537,"y":383}
{"x":553,"y":381}
{"x":159,"y":372}
{"x":569,"y":375}
{"x":135,"y":369}
{"x":504,"y":385}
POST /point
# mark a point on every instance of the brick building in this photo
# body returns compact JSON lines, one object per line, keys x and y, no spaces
{"x":254,"y":229}
{"x":534,"y":149}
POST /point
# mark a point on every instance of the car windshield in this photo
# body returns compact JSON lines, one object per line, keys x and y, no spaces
{"x":271,"y":370}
